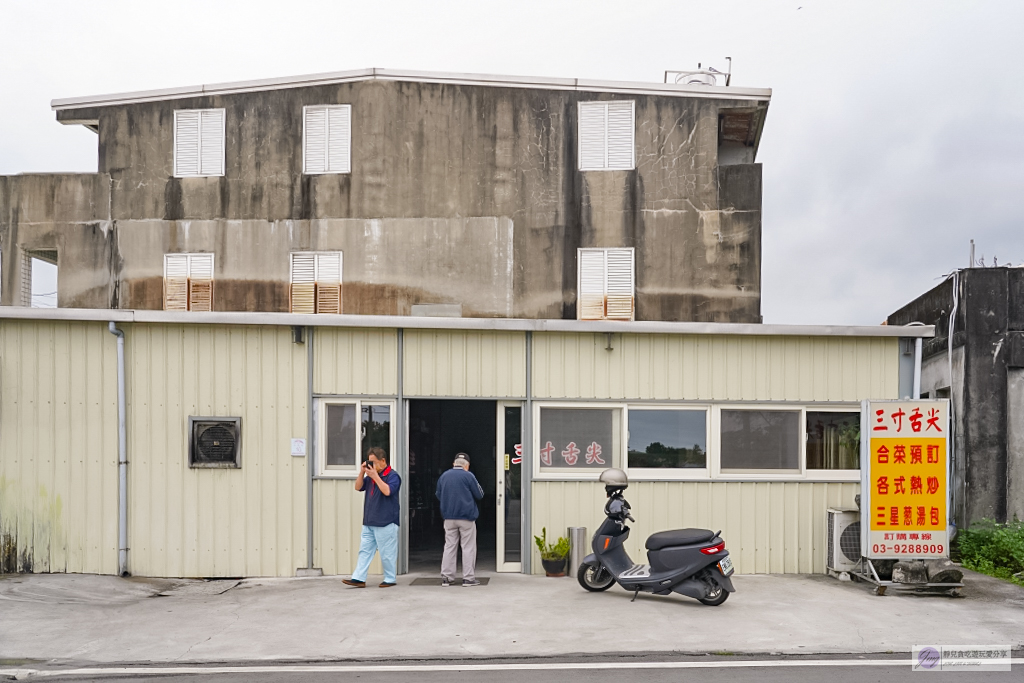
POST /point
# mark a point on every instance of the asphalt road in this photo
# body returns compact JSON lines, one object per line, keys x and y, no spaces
{"x":721,"y":669}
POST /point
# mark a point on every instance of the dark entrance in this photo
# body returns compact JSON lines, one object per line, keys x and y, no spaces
{"x":438,"y":429}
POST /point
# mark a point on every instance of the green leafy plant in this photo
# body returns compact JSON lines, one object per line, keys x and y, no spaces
{"x":551,"y":551}
{"x":994,"y":549}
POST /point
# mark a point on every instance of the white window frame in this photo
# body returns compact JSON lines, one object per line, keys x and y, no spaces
{"x":607,"y":165}
{"x":321,"y":435}
{"x":569,"y":473}
{"x":802,"y":474}
{"x":827,"y":475}
{"x":346,"y":164}
{"x":199,"y":150}
{"x":605,"y":251}
{"x":670,"y":473}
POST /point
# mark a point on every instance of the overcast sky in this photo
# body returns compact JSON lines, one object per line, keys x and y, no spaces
{"x":894,"y":136}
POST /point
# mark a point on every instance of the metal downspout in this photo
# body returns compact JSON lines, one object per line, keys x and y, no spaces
{"x":122,"y":457}
{"x":525,"y":542}
{"x":401,"y":458}
{"x":918,"y":343}
{"x":310,"y":441}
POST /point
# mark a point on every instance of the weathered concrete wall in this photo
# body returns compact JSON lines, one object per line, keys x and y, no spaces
{"x":1015,"y":444}
{"x":388,"y":264}
{"x":988,"y":343}
{"x":66,"y":212}
{"x":439,"y":153}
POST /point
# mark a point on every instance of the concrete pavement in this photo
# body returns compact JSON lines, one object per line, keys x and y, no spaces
{"x":81,"y":618}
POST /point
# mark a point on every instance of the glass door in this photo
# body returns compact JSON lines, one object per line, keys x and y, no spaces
{"x":509,"y":489}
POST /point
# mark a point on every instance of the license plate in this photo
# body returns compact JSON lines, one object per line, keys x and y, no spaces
{"x":725,"y":566}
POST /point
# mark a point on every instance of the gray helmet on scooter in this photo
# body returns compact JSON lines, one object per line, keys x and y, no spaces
{"x":614,"y":479}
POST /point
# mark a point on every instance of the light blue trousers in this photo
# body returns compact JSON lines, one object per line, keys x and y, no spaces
{"x":383,"y":539}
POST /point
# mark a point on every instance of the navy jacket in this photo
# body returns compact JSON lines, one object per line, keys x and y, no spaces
{"x":378,"y":509}
{"x":458,"y":491}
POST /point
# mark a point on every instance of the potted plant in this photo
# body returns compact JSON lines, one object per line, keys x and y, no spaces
{"x":552,"y":555}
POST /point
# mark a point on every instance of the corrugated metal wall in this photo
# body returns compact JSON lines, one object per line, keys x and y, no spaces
{"x":216,"y":522}
{"x":740,"y":368}
{"x":768,"y":527}
{"x":355,"y":361}
{"x":467,"y":364}
{"x":337,"y":523}
{"x":58,"y":447}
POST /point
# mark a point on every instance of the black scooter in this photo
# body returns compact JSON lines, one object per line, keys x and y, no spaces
{"x":691,"y":562}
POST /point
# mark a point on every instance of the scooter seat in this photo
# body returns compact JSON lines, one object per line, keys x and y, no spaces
{"x":667,"y":539}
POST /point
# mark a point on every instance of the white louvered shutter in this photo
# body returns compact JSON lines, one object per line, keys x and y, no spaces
{"x":186,"y":143}
{"x":620,"y":130}
{"x":339,"y":139}
{"x":619,"y":284}
{"x":176,"y":282}
{"x":314,"y":138}
{"x":200,"y":282}
{"x":211,"y":142}
{"x":327,"y":139}
{"x":590,"y":298}
{"x":328,"y":283}
{"x":606,"y":136}
{"x":592,"y":135}
{"x":303,"y":286}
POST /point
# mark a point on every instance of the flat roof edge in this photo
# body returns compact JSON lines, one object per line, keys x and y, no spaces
{"x":482,"y":324}
{"x":491,"y":80}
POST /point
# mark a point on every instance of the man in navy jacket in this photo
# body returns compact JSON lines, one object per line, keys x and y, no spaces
{"x":458,"y":490}
{"x":381,"y":516}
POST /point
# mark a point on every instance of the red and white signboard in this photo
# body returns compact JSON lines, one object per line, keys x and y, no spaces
{"x":904,"y":479}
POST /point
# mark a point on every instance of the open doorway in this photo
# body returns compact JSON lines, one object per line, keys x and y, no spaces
{"x":438,"y":429}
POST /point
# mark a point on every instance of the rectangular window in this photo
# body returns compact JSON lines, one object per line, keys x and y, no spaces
{"x":605,"y":282}
{"x":188,"y":282}
{"x":327,"y":139}
{"x":833,"y":440}
{"x":316,"y":282}
{"x":39,"y":278}
{"x":606,"y":136}
{"x":765,"y":441}
{"x":198,"y":142}
{"x":585,"y":440}
{"x":665,"y":439}
{"x":344,"y":441}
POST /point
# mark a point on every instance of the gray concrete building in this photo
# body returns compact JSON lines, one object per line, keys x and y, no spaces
{"x":404,"y":193}
{"x":977,"y":361}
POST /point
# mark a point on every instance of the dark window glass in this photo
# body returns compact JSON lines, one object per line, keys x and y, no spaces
{"x":667,"y":438}
{"x":341,"y":436}
{"x":760,"y":440}
{"x":376,"y":429}
{"x":833,"y":441}
{"x":582,"y":439}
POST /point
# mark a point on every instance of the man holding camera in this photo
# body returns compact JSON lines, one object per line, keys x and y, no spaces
{"x":458,"y":490}
{"x":380,"y":518}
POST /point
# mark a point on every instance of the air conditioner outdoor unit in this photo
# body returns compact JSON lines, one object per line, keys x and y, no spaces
{"x":843,"y":540}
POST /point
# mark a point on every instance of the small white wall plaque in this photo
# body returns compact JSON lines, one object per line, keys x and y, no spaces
{"x":299,"y":448}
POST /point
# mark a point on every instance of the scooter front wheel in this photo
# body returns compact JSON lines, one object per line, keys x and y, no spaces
{"x":594,"y":577}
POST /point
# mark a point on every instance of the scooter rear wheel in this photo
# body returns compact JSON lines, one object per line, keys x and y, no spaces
{"x":716,"y":598}
{"x":595,"y":577}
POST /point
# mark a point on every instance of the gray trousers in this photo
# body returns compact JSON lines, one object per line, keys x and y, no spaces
{"x":454,"y":530}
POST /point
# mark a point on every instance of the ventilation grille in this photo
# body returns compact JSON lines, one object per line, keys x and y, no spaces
{"x":215,"y":442}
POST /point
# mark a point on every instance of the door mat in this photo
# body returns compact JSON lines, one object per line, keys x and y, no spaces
{"x":427,"y":581}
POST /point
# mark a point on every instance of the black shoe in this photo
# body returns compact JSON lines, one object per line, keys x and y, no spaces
{"x":445,"y":581}
{"x":356,"y":584}
{"x":385,"y":584}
